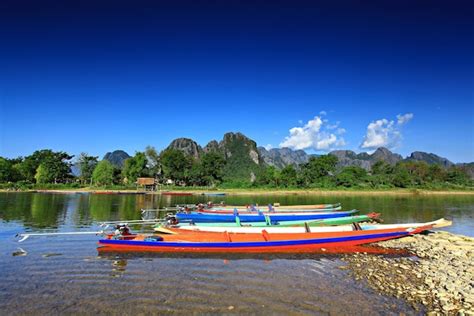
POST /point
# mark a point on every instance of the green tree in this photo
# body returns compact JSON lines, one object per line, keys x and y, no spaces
{"x":351,"y":176}
{"x":56,"y":164}
{"x":87,"y":165}
{"x":134,"y":167}
{"x":212,"y":164}
{"x":8,"y":170}
{"x":269,"y":176}
{"x":266,"y":176}
{"x":418,"y":170}
{"x":401,"y":176}
{"x":195,"y":175}
{"x":43,"y":175}
{"x":175,"y":165}
{"x":436,"y":173}
{"x":317,"y":168}
{"x":118,"y":179}
{"x":288,"y":176}
{"x":381,"y":174}
{"x":103,"y":173}
{"x":457,"y":175}
{"x":5,"y":170}
{"x":381,"y":168}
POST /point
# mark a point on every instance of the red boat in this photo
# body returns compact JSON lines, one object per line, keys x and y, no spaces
{"x":177,"y":193}
{"x":264,"y":242}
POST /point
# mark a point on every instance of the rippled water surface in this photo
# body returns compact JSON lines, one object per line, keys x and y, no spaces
{"x":65,"y":275}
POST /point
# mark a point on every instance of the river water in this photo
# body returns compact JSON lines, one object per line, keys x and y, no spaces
{"x":65,"y":275}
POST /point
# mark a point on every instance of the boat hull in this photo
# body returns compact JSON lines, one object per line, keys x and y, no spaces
{"x":253,"y":243}
{"x":313,"y":223}
{"x":286,"y":207}
{"x":295,"y":230}
{"x":177,"y":193}
{"x":217,"y":218}
{"x":276,"y":211}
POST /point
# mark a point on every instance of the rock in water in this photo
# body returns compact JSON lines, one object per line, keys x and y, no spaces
{"x":20,"y":252}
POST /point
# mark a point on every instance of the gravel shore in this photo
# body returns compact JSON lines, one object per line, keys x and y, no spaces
{"x":438,"y":278}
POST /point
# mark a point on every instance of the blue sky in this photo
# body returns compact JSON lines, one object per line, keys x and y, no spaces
{"x":96,"y":76}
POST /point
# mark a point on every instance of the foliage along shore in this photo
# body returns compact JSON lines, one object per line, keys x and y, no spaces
{"x":46,"y":169}
{"x":250,"y":191}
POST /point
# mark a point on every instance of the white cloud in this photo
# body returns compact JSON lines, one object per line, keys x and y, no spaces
{"x":332,"y":126}
{"x":385,"y":133}
{"x":323,"y":113}
{"x":326,"y":143}
{"x":405,"y":118}
{"x":315,"y":134}
{"x":268,"y":146}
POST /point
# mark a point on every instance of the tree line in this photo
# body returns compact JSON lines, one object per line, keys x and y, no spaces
{"x":50,"y":167}
{"x":322,"y":172}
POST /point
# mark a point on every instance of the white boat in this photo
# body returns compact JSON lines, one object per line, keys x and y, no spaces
{"x":291,"y":230}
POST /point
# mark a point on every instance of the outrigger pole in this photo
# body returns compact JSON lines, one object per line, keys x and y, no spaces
{"x":27,"y":235}
{"x":158,"y":210}
{"x":134,"y":221}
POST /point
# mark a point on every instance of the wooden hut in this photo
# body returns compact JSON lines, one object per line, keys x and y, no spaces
{"x":148,"y":183}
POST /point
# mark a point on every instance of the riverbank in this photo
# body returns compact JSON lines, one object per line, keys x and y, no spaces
{"x":439,"y":276}
{"x":257,"y":191}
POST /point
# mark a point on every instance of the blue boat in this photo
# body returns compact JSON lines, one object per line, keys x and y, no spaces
{"x":214,"y":193}
{"x":269,"y":218}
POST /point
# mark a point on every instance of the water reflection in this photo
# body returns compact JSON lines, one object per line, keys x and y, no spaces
{"x":119,"y":267}
{"x":36,"y":280}
{"x":45,"y":210}
{"x":35,"y":210}
{"x":328,"y":253}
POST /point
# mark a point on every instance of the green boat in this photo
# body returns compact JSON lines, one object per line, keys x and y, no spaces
{"x":313,"y":223}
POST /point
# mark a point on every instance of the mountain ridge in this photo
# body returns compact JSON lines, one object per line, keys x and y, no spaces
{"x":116,"y":157}
{"x":245,"y":158}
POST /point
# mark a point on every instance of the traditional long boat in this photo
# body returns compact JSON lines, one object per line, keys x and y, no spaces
{"x":177,"y":193}
{"x":197,"y":217}
{"x":263,"y":242}
{"x":253,"y":210}
{"x":277,"y":207}
{"x":293,"y":230}
{"x":312,"y":223}
{"x":214,"y":193}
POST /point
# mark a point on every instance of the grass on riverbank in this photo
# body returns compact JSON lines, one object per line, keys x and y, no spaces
{"x":75,"y":187}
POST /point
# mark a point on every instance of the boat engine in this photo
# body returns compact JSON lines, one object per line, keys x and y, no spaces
{"x":171,"y":220}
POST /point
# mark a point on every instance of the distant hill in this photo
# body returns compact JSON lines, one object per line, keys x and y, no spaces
{"x":365,"y":160}
{"x":244,"y":159}
{"x":281,"y":157}
{"x":187,"y":146}
{"x":430,"y":159}
{"x":116,"y":158}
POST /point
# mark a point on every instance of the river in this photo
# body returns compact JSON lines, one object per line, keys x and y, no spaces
{"x":65,"y":275}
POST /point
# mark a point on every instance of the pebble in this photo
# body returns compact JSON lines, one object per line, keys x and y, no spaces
{"x":440,"y":279}
{"x":19,"y":253}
